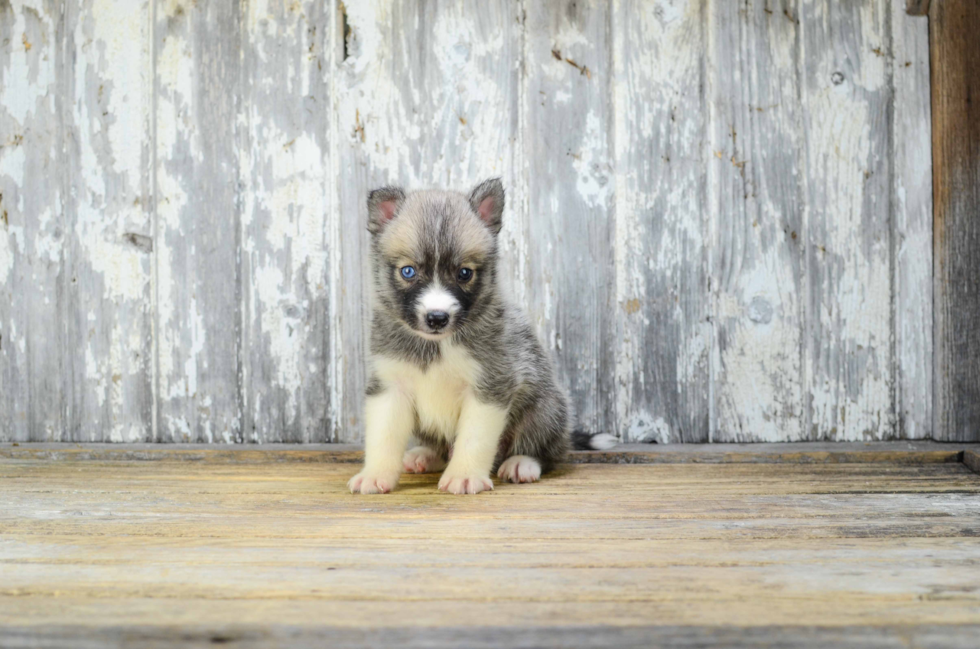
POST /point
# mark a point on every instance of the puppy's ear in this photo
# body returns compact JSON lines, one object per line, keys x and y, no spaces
{"x":383,"y":204}
{"x":487,"y":200}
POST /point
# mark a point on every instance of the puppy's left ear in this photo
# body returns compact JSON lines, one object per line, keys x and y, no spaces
{"x":487,"y":200}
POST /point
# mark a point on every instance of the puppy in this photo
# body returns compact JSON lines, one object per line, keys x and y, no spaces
{"x":452,"y":363}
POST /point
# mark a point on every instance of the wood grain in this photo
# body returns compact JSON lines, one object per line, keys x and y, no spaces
{"x":912,"y":226}
{"x":33,"y":228}
{"x":631,"y":637}
{"x":569,"y":175}
{"x":955,"y":57}
{"x":662,"y":367}
{"x":287,"y":190}
{"x":108,"y":86}
{"x":756,"y":223}
{"x":849,"y":352}
{"x":198,"y":280}
{"x":177,"y":549}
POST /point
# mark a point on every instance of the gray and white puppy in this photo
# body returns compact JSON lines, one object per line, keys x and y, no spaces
{"x":452,"y":363}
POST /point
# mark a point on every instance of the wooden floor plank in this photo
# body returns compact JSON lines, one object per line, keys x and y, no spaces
{"x":136,"y":552}
{"x":638,"y":637}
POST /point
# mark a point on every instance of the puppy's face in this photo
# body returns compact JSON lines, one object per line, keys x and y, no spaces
{"x":434,"y":255}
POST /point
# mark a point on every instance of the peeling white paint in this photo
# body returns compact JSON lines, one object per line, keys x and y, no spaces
{"x":850,"y":363}
{"x":593,"y":171}
{"x":315,"y":133}
{"x":12,"y":163}
{"x":6,"y":257}
{"x":644,"y":428}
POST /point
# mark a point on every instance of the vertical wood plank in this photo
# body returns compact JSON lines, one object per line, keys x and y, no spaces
{"x":426,"y":96}
{"x":108,"y":92}
{"x":287,"y":315}
{"x":661,"y":306}
{"x":756,"y":209}
{"x":569,"y":177}
{"x":847,"y":99}
{"x":33,"y":405}
{"x":197,"y":279}
{"x":955,"y":61}
{"x":912,"y":237}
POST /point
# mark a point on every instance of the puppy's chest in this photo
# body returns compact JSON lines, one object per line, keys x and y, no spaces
{"x":438,"y":391}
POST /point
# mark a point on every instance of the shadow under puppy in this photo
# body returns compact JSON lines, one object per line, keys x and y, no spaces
{"x":452,"y":363}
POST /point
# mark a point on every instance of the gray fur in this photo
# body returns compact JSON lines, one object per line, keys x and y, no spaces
{"x":516,"y":372}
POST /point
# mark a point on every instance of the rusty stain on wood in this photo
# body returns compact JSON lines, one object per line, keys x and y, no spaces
{"x":631,"y":306}
{"x":358,"y":126}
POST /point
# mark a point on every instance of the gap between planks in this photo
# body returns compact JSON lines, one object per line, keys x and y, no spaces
{"x":776,"y":453}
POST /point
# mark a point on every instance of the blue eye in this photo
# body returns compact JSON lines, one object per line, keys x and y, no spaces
{"x":408,"y":272}
{"x":464,"y":275}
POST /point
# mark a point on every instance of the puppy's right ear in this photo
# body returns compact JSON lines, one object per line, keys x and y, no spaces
{"x":383,"y":204}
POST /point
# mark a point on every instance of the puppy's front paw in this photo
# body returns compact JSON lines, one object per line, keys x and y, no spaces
{"x":371,"y":483}
{"x":464,"y":484}
{"x":520,"y":468}
{"x":422,"y":459}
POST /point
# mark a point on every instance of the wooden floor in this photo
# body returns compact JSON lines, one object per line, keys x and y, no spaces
{"x":793,"y":545}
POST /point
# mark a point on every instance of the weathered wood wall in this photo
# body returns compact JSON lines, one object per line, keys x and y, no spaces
{"x":954,"y":26}
{"x":719,"y":216}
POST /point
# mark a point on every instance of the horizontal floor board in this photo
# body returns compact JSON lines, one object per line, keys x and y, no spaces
{"x":583,"y":637}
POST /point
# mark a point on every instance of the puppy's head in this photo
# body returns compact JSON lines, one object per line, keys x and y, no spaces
{"x":434,"y":254}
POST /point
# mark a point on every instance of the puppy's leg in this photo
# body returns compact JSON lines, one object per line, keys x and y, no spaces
{"x":539,"y":440}
{"x":423,"y":459}
{"x":388,"y":422}
{"x":475,"y":448}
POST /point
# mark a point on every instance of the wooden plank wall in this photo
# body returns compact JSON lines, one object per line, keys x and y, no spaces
{"x":954,"y":25}
{"x":719,"y":213}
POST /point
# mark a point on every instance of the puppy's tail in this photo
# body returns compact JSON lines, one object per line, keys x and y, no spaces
{"x":583,"y":441}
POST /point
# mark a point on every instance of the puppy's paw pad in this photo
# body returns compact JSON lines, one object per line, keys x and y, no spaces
{"x":422,"y":459}
{"x":465,"y":484}
{"x":520,"y":468}
{"x":368,"y":483}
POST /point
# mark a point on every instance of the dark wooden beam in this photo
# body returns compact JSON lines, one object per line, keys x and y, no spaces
{"x":972,"y":460}
{"x":917,"y":7}
{"x":954,"y":46}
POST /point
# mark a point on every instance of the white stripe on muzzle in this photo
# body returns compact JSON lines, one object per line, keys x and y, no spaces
{"x":437,"y":298}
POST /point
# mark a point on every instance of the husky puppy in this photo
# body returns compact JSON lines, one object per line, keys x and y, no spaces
{"x":452,"y":363}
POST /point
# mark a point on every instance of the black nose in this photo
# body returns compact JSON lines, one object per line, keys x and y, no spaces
{"x":437,"y":319}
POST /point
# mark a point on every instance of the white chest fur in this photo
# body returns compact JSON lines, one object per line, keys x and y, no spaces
{"x":436,"y":392}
